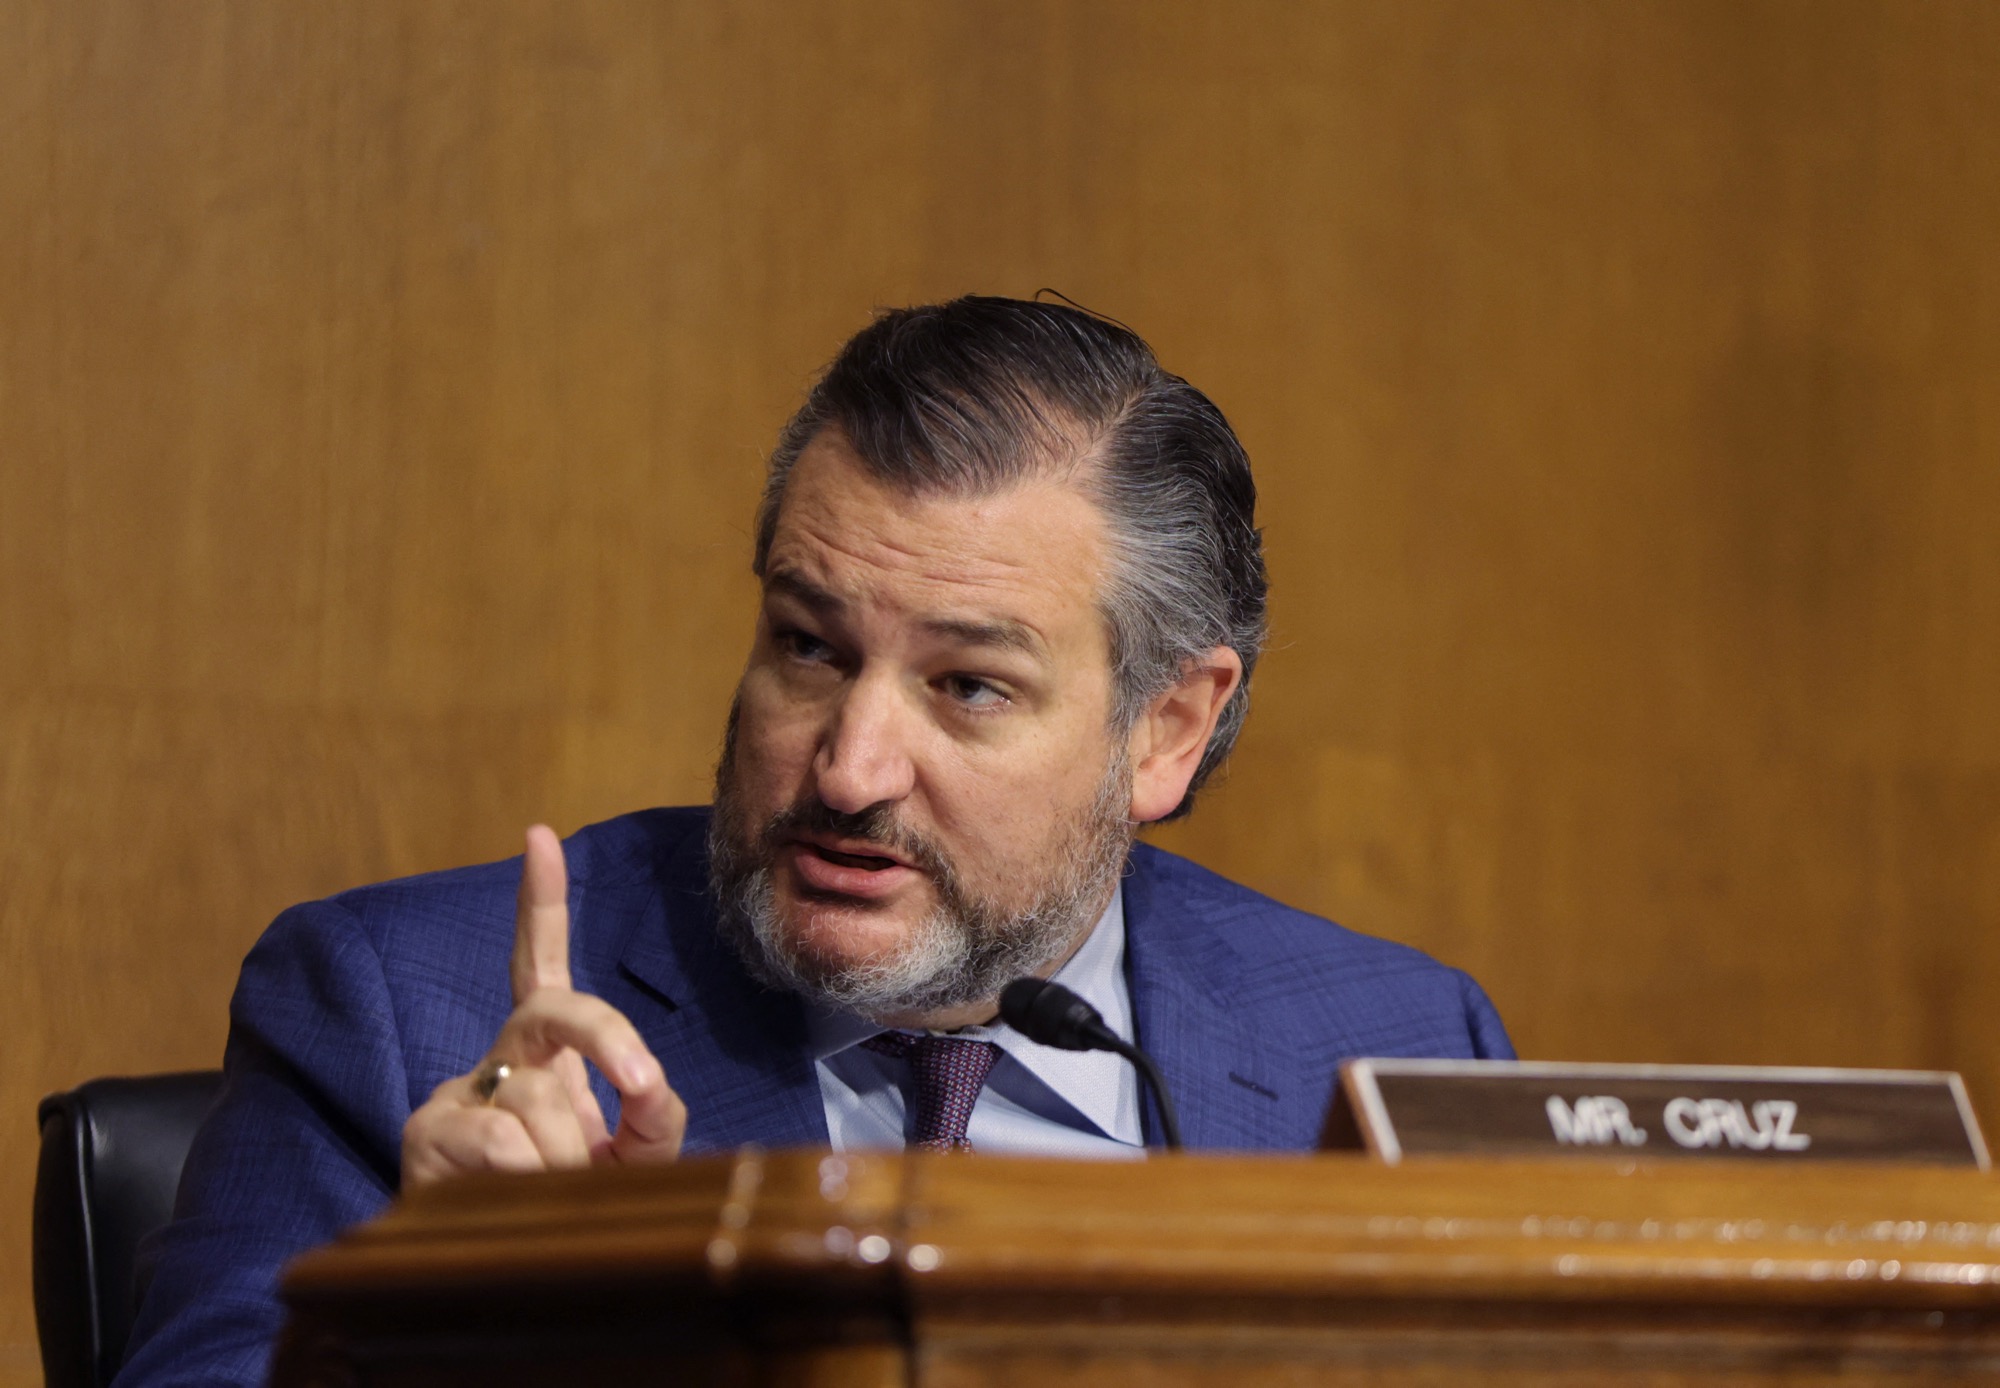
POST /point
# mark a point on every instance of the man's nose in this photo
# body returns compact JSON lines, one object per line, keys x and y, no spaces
{"x":864,"y":756}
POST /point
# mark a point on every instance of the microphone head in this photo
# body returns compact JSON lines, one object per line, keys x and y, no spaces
{"x":1053,"y":1015}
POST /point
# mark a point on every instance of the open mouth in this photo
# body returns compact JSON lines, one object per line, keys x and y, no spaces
{"x":867,"y":862}
{"x":857,"y":861}
{"x":849,"y":871}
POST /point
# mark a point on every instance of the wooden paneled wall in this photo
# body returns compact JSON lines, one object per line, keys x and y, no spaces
{"x":383,"y":388}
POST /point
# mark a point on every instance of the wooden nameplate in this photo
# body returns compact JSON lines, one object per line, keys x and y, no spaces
{"x":1399,"y":1108}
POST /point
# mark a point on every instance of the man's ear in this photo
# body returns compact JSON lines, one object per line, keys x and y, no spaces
{"x":1170,"y":737}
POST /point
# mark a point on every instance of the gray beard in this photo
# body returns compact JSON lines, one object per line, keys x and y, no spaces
{"x":963,"y":952}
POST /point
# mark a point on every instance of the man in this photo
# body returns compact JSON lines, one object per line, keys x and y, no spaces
{"x":1012,"y":597}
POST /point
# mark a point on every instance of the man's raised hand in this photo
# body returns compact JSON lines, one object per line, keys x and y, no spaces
{"x":539,"y":1113}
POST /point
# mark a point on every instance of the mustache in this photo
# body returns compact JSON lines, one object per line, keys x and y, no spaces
{"x":877,"y":825}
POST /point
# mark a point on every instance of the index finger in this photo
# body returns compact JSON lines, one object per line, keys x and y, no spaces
{"x":541,"y":917}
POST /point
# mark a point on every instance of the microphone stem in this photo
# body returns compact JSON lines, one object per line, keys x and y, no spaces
{"x":1170,"y":1123}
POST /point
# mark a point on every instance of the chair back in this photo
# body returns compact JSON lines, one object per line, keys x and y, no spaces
{"x":111,"y":1158}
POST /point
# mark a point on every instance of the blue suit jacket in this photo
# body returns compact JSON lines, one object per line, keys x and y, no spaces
{"x":351,"y":1010}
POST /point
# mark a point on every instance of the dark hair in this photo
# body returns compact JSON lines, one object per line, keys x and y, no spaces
{"x":971,"y":396}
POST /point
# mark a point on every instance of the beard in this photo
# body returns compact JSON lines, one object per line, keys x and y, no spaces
{"x":965,"y":949}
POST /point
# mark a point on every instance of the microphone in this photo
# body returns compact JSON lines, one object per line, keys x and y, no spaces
{"x":1053,"y":1015}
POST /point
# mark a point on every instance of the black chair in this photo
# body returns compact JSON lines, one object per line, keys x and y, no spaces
{"x":112,"y":1151}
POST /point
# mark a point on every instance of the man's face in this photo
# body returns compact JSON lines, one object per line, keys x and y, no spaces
{"x":921,"y":761}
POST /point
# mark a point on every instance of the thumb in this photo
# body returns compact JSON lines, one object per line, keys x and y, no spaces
{"x":652,"y":1120}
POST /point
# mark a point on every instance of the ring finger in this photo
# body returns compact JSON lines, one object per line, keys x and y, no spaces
{"x":540,"y":1100}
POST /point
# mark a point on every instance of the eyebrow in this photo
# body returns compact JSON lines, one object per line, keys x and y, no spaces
{"x":1000,"y":632}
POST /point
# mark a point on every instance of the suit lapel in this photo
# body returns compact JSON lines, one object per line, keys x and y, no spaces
{"x":734,"y":1051}
{"x":1231,"y":1092}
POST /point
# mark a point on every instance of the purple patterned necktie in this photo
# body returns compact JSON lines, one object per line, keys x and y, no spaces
{"x":949,"y":1072}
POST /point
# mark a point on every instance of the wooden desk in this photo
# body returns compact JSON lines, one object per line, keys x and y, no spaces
{"x":807,"y":1268}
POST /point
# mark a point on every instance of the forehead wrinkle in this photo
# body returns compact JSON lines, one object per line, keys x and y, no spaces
{"x":884,"y":551}
{"x":931,"y":550}
{"x":1005,"y":633}
{"x":1068,"y":462}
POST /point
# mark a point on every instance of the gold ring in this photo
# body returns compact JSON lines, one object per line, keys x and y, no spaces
{"x":486,"y":1079}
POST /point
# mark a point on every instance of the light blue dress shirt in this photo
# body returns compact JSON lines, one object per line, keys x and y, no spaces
{"x":1038,"y":1100}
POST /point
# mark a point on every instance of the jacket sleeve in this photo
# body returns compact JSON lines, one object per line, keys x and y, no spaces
{"x":303,"y":1142}
{"x":1489,"y":1037}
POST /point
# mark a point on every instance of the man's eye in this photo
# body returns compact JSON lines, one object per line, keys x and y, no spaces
{"x":802,"y":645}
{"x":973,"y":692}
